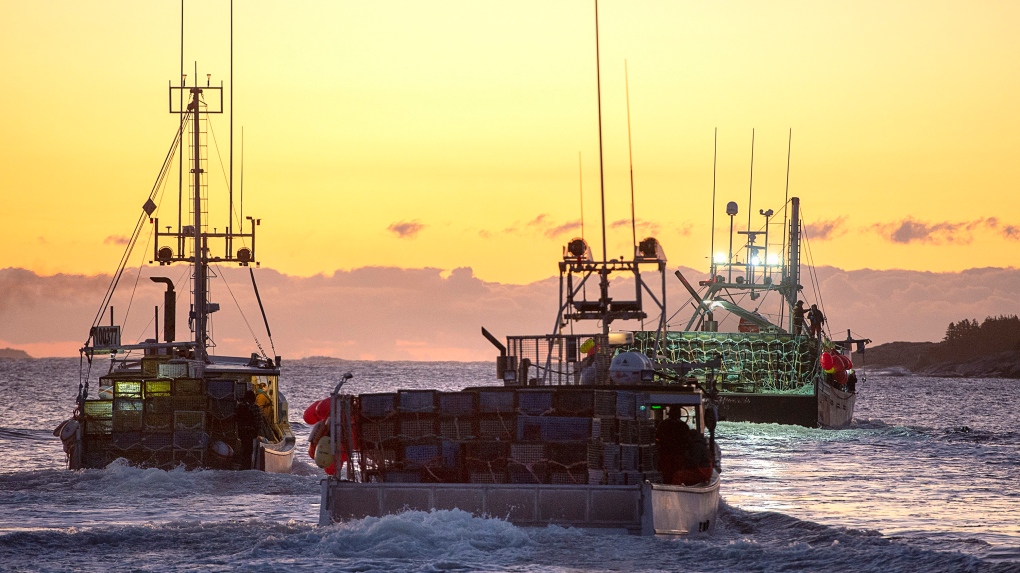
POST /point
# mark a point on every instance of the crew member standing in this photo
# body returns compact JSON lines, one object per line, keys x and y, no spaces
{"x":798,"y":318}
{"x":817,"y":319}
{"x":248,"y":416}
{"x":684,"y":458}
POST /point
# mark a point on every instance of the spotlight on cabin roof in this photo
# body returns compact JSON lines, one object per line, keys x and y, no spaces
{"x":577,"y":249}
{"x":650,"y":249}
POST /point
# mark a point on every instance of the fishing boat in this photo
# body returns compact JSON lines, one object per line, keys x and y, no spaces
{"x":552,"y":451}
{"x":773,"y":368}
{"x":570,"y":438}
{"x":169,"y":403}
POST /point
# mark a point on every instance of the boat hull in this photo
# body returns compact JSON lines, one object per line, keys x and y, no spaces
{"x":277,"y":458}
{"x":648,"y":509}
{"x":798,"y":409}
{"x":835,"y":407}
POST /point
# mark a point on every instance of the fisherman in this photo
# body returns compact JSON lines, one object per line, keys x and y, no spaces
{"x":817,"y":319}
{"x":684,"y":457}
{"x":248,"y":416}
{"x":265,"y":404}
{"x":798,"y":318}
{"x":589,"y":366}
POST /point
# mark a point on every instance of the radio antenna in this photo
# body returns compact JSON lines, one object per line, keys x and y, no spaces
{"x":580,"y":182}
{"x":230,"y":182}
{"x":180,"y":162}
{"x":750,"y":185}
{"x":598,"y":83}
{"x":715,"y":157}
{"x":630,"y":156}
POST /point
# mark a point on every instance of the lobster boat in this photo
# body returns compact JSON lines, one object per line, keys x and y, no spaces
{"x":570,"y":438}
{"x":169,"y":403}
{"x":772,"y":367}
{"x":567,"y":456}
{"x":575,"y":435}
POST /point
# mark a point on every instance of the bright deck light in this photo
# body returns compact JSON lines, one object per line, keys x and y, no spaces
{"x":720,"y":258}
{"x":773,"y":260}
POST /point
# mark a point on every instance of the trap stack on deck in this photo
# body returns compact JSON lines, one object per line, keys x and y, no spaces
{"x":165,"y":417}
{"x":559,"y":435}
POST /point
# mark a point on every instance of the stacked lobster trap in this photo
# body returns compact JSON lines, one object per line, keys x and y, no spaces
{"x":162,"y":420}
{"x":504,"y":435}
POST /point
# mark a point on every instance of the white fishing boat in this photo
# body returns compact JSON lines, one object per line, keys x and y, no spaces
{"x":570,"y":455}
{"x":166,"y":403}
{"x":772,"y":367}
{"x":572,"y":438}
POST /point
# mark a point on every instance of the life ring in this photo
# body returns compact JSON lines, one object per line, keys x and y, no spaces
{"x":222,"y":449}
{"x":324,"y":452}
{"x":67,"y":431}
{"x":319,"y":430}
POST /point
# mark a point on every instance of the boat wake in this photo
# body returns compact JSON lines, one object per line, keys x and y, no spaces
{"x":453,"y":540}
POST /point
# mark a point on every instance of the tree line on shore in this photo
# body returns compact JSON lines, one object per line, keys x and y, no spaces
{"x":968,"y":339}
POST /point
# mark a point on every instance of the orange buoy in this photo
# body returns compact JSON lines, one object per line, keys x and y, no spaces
{"x":827,"y":362}
{"x":841,"y":376}
{"x":309,"y":415}
{"x":317,"y":411}
{"x":847,"y":364}
{"x":322,"y":409}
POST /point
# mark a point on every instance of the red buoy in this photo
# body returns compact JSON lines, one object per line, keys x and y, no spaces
{"x":827,"y":362}
{"x":847,"y":364}
{"x":317,"y":411}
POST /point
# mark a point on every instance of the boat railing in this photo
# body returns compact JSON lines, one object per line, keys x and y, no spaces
{"x":558,"y":360}
{"x":748,"y":363}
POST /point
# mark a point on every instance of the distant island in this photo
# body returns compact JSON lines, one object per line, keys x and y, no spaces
{"x":13,"y":354}
{"x":990,"y":349}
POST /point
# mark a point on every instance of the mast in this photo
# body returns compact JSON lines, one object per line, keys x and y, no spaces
{"x":793,"y":277}
{"x":201,"y":265}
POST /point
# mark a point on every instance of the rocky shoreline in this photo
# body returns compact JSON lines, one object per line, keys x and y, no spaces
{"x":921,"y":358}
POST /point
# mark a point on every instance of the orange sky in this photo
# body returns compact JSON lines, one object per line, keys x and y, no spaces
{"x":460,"y":123}
{"x":446,"y":134}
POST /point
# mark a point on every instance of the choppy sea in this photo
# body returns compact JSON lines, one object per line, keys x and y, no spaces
{"x":926,"y":479}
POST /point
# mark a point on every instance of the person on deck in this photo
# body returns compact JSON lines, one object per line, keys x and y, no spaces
{"x":798,"y":318}
{"x":817,"y":319}
{"x":248,"y":417}
{"x":265,"y":404}
{"x":684,"y":457}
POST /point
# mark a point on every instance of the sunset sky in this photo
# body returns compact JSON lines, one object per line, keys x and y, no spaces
{"x":447,"y":134}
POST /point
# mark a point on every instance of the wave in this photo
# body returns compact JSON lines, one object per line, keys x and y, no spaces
{"x":452,"y":540}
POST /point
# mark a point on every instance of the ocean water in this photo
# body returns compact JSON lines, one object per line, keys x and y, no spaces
{"x":926,"y":479}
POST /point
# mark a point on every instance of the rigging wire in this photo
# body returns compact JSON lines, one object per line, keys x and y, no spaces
{"x":138,"y":275}
{"x":122,"y":264}
{"x":167,"y":162}
{"x":815,"y":285}
{"x":251,"y":331}
{"x":178,"y":291}
{"x":219,"y":157}
{"x":223,"y":170}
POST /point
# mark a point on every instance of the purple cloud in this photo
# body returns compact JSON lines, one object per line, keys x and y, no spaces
{"x":911,"y":230}
{"x":406,"y":229}
{"x":824,"y":230}
{"x":563,"y":229}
